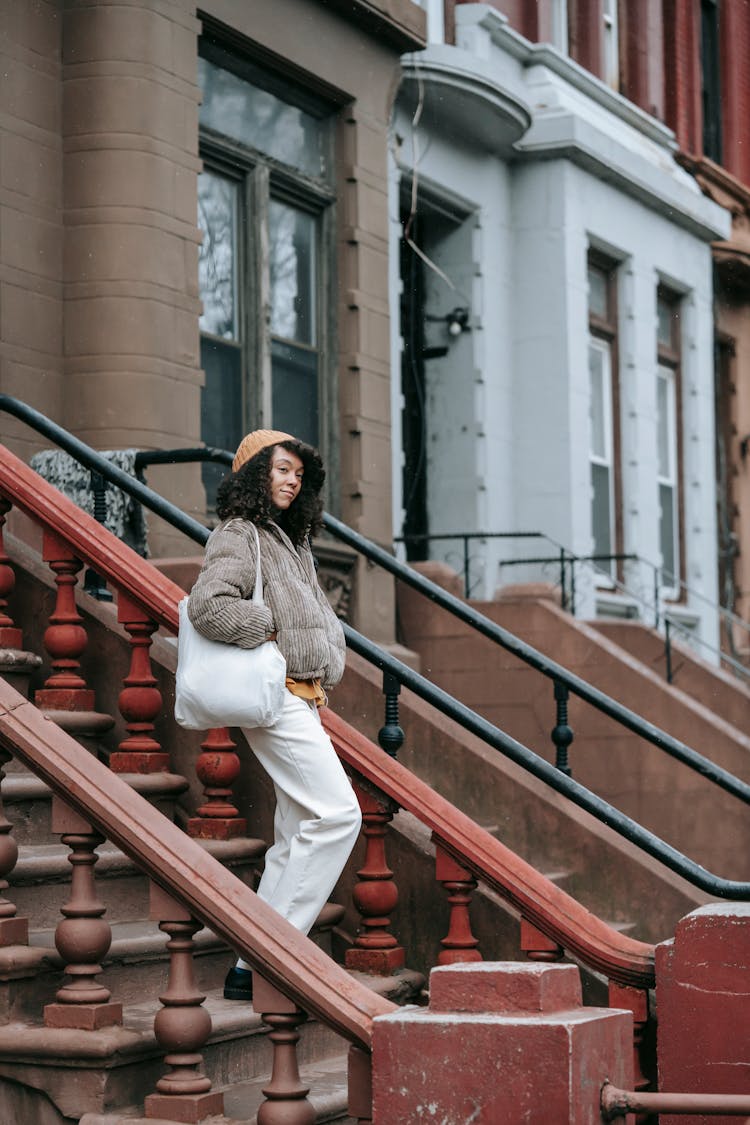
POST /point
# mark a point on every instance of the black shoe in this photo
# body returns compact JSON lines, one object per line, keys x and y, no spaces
{"x":238,"y":984}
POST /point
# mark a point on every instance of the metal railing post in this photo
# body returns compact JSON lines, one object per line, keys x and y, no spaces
{"x":467,"y":584}
{"x":563,"y":580}
{"x":561,"y":733}
{"x":94,"y":584}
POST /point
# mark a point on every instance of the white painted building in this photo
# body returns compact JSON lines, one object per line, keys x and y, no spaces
{"x":579,"y":402}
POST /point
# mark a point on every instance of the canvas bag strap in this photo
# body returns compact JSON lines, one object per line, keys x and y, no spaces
{"x":258,"y":591}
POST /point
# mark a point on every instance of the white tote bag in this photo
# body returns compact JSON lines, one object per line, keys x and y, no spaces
{"x":223,"y":685}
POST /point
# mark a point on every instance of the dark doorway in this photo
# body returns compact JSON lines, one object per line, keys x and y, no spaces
{"x":413,"y":389}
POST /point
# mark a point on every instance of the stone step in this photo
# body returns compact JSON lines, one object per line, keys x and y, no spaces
{"x":326,"y":1079}
{"x":97,"y":1072}
{"x":27,"y":801}
{"x":39,"y":883}
{"x":135,"y":966}
{"x":100,"y":1072}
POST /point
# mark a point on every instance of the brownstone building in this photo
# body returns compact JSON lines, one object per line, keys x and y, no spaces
{"x":122,"y":125}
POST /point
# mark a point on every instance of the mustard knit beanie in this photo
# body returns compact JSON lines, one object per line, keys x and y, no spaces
{"x":254,"y":442}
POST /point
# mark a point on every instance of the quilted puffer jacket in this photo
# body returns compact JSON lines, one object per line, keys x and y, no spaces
{"x":307,"y":630}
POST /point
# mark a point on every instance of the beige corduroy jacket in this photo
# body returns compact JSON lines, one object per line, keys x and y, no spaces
{"x":308,"y":632}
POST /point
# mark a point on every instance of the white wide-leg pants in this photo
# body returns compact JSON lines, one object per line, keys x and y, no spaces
{"x":317,"y":818}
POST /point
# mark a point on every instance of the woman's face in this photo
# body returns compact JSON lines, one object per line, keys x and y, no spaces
{"x":285,"y":480}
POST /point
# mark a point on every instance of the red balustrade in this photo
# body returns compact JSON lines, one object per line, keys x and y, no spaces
{"x":459,"y":944}
{"x":84,"y":936}
{"x":286,"y":1095}
{"x":14,"y":930}
{"x":10,"y":635}
{"x":65,"y":637}
{"x":183,"y":1025}
{"x":140,"y":701}
{"x":217,"y":768}
{"x":375,"y":896}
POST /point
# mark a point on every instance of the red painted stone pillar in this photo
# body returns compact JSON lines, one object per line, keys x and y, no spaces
{"x":500,"y":1041}
{"x":702,"y":987}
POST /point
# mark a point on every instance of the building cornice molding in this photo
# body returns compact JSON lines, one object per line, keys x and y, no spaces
{"x":713,"y":176}
{"x":401,"y":23}
{"x":528,"y":54}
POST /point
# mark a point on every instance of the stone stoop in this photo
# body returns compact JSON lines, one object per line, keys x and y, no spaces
{"x":62,"y":1075}
{"x":326,"y":1079}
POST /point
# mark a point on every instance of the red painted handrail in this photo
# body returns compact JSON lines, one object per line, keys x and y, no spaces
{"x":541,"y":902}
{"x":210,"y":891}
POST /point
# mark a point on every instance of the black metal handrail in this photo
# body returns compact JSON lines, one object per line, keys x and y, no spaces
{"x":550,"y":668}
{"x":440,"y":699}
{"x":566,"y":562}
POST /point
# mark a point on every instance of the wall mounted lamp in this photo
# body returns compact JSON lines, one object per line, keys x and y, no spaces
{"x":456,"y":322}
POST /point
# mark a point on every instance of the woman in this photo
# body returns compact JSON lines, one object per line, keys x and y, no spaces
{"x":275,"y":483}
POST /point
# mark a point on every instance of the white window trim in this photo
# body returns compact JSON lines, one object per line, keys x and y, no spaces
{"x":611,"y":44}
{"x":606,"y":461}
{"x":665,"y":372}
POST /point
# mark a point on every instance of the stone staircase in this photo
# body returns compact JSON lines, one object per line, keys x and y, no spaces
{"x":709,"y":713}
{"x":55,"y":1075}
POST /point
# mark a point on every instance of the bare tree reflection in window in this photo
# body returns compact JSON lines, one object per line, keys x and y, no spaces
{"x":235,"y":108}
{"x":217,"y":219}
{"x":291,"y":259}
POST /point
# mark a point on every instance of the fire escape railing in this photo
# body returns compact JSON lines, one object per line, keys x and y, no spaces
{"x":398,"y":674}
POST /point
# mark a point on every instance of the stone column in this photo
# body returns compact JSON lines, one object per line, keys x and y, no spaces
{"x":130,"y":127}
{"x":702,"y":986}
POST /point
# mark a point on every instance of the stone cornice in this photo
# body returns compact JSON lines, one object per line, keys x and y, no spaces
{"x":402,"y":23}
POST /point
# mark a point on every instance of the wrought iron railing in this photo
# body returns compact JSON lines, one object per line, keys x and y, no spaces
{"x":397,"y":674}
{"x":655,"y":609}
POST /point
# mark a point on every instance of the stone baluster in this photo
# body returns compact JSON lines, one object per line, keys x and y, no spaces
{"x":14,"y":930}
{"x":65,"y":637}
{"x":183,"y":1025}
{"x":140,"y":701}
{"x":459,"y":944}
{"x":537,"y":946}
{"x":84,"y":936}
{"x":634,"y":1000}
{"x":375,"y":949}
{"x":217,"y":768}
{"x":16,"y":664}
{"x":10,"y":635}
{"x":65,"y":697}
{"x":286,"y":1095}
{"x":359,"y":1075}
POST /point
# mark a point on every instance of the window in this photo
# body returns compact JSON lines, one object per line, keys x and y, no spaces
{"x":264,"y":209}
{"x":559,"y":25}
{"x":603,"y":404}
{"x":667,"y":439}
{"x":610,"y":44}
{"x":711,"y":79}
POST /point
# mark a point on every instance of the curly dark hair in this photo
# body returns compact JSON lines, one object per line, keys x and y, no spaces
{"x":246,"y":493}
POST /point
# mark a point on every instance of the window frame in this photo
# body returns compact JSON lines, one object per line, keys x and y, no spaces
{"x":669,"y":357}
{"x":262,"y":179}
{"x":605,"y":329}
